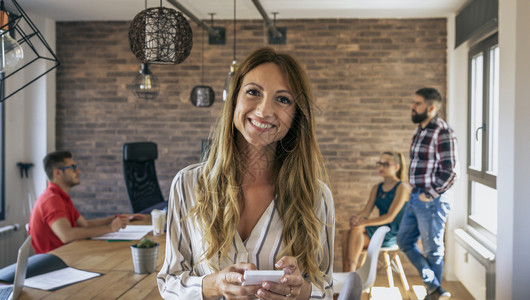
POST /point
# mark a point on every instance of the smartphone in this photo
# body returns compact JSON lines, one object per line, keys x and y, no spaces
{"x":256,"y":277}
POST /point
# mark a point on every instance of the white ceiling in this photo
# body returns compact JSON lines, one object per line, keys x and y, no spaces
{"x":119,"y":10}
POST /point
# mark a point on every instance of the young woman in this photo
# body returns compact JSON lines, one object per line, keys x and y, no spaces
{"x":390,"y":197}
{"x":259,"y":200}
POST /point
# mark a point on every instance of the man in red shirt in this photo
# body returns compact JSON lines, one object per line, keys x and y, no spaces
{"x":54,"y":220}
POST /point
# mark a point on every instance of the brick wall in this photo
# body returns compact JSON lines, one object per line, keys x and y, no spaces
{"x":363,"y":74}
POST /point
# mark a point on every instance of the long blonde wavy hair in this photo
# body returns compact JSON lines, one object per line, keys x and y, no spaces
{"x":297,"y":169}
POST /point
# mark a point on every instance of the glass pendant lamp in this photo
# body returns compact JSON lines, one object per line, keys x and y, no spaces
{"x":146,"y":85}
{"x":11,"y":53}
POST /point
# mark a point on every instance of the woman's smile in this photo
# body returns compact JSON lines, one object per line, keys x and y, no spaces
{"x":265,"y":107}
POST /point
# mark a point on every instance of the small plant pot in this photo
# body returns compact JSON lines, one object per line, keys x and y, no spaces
{"x":144,"y":259}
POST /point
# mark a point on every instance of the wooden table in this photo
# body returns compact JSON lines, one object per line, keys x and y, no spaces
{"x":114,"y":260}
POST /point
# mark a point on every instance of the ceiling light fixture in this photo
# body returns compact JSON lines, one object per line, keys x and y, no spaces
{"x":233,"y":67}
{"x":160,"y":35}
{"x":30,"y":52}
{"x":202,"y":95}
{"x":11,"y":53}
{"x":146,"y":85}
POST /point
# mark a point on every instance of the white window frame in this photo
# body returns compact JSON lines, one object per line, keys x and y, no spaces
{"x":481,"y":174}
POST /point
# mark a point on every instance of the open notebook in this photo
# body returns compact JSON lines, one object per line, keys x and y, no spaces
{"x":46,"y":272}
{"x":13,"y":291}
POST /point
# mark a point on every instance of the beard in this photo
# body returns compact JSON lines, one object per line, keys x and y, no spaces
{"x":71,"y":182}
{"x":418,"y":118}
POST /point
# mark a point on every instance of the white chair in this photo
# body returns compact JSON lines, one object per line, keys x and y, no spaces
{"x":351,"y":286}
{"x":392,"y":261}
{"x":368,"y":271}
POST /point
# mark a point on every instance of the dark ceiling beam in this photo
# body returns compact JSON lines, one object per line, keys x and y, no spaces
{"x":211,"y":31}
{"x":276,"y":33}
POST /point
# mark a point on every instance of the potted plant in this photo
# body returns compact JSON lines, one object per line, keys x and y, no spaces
{"x":144,"y":254}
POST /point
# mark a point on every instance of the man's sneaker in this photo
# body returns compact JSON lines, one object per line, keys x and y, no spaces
{"x":444,"y":295}
{"x":438,"y":294}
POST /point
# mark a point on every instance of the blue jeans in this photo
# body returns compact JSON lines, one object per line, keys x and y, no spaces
{"x":425,"y":220}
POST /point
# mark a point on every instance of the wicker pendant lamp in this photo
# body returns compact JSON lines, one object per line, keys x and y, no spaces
{"x":160,"y":35}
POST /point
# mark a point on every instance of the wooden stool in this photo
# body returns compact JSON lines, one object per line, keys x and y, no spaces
{"x":392,"y":261}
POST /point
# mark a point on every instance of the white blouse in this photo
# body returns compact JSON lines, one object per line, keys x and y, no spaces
{"x":180,"y":276}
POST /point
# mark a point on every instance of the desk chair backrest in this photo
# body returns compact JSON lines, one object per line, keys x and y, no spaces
{"x":368,"y":271}
{"x":140,"y":175}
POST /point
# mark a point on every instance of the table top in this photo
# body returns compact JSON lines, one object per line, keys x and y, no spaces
{"x":114,"y":261}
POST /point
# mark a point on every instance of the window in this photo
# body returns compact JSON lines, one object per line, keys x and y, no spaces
{"x":483,"y":135}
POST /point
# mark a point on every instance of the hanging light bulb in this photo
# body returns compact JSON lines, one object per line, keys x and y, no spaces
{"x":11,"y":53}
{"x":226,"y":88}
{"x":146,"y":85}
{"x":233,"y":67}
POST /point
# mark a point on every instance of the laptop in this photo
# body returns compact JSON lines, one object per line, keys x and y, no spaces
{"x":11,"y":292}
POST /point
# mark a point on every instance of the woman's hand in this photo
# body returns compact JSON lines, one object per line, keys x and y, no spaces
{"x":291,"y":286}
{"x":227,"y":283}
{"x":355,"y":220}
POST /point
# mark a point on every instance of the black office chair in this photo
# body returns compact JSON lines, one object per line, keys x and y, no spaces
{"x":140,"y":177}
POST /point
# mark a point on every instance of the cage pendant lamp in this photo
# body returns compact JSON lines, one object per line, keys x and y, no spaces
{"x":160,"y":35}
{"x":22,"y":47}
{"x":233,"y":67}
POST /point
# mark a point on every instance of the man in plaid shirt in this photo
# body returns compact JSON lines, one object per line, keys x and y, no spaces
{"x":433,"y":169}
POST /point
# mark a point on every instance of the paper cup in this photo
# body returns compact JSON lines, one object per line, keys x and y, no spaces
{"x":159,"y":220}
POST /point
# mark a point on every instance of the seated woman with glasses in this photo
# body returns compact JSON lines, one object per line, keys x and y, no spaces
{"x":390,"y":197}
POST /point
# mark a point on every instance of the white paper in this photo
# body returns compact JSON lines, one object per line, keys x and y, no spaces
{"x":55,"y":279}
{"x":131,"y":232}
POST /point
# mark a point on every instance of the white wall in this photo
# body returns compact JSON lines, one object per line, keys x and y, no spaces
{"x":30,"y":133}
{"x":457,"y":119}
{"x":513,"y":265}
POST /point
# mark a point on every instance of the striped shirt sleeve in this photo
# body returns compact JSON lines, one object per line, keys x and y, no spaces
{"x":175,"y":279}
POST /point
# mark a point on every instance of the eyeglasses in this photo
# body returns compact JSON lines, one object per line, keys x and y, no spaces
{"x":74,"y":168}
{"x":383,"y":164}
